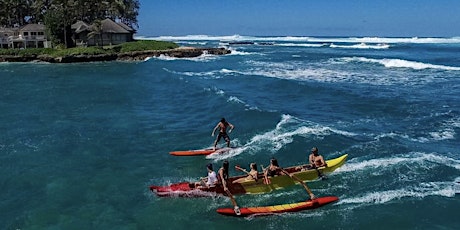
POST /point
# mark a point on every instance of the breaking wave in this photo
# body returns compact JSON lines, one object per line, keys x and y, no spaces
{"x":399,"y":63}
{"x":362,"y":46}
{"x":445,"y":189}
{"x":386,"y":40}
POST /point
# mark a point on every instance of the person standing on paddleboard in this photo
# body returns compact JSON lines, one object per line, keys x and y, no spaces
{"x":222,"y":126}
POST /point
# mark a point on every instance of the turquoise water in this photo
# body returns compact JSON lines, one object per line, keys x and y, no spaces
{"x":81,"y":143}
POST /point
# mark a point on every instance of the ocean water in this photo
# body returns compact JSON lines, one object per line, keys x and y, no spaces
{"x":81,"y":143}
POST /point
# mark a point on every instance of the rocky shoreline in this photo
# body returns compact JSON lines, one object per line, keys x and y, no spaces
{"x":181,"y":52}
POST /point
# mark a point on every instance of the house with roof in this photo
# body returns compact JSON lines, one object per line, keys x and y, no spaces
{"x":27,"y":36}
{"x":5,"y":33}
{"x":107,"y":33}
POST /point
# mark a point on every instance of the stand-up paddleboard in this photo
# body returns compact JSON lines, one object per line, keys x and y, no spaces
{"x":198,"y":152}
{"x":283,"y":208}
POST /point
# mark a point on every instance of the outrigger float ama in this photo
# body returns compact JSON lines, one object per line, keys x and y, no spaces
{"x":188,"y":189}
{"x":282,"y":208}
{"x":312,"y":203}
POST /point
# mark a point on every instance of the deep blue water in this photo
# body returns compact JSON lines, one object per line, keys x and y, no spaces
{"x":81,"y":143}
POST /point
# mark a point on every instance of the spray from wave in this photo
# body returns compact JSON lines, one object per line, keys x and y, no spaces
{"x":445,"y":189}
{"x":202,"y":58}
{"x":399,"y":63}
{"x":287,"y":128}
{"x":378,"y":40}
{"x":414,"y":158}
{"x":362,"y":46}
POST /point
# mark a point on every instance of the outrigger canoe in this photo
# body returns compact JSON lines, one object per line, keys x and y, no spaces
{"x":274,"y":209}
{"x":188,"y":189}
{"x":198,"y":152}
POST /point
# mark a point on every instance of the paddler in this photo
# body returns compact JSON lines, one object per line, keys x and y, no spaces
{"x":252,"y":174}
{"x":222,"y":126}
{"x":223,"y":177}
{"x":315,"y":159}
{"x":273,"y":169}
{"x":209,"y":181}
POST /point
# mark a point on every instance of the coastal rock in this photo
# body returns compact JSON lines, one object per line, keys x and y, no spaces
{"x":182,"y":52}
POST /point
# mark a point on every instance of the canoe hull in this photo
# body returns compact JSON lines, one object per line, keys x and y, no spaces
{"x":283,"y":181}
{"x":188,"y":189}
{"x":284,"y":208}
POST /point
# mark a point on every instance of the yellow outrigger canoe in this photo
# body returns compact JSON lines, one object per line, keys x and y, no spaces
{"x":282,"y":181}
{"x":188,"y":189}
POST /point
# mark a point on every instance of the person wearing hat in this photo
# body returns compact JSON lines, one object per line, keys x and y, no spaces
{"x":222,"y":126}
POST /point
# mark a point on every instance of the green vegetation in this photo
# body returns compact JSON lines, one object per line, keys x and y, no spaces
{"x":122,"y":48}
{"x":147,"y":45}
{"x":27,"y":52}
{"x":58,"y":15}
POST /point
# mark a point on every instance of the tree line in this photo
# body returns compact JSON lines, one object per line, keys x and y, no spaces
{"x":59,"y":15}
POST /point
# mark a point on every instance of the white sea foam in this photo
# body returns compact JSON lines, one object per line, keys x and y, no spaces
{"x":202,"y":58}
{"x":399,"y":63}
{"x":232,"y":99}
{"x":312,"y":45}
{"x":164,"y":58}
{"x":445,"y":189}
{"x":446,"y":131}
{"x":361,"y":46}
{"x":378,"y":40}
{"x":457,"y":185}
{"x":235,"y":99}
{"x":415,"y":40}
{"x":292,"y":71}
{"x":229,"y":154}
{"x":194,"y":43}
{"x":411,"y":158}
{"x":283,"y":134}
{"x":289,"y":127}
{"x":330,"y":72}
{"x":322,"y":73}
{"x":449,"y":133}
{"x":237,"y":52}
{"x":214,"y":73}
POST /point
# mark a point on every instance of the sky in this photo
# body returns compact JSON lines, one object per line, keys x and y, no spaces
{"x":383,"y":18}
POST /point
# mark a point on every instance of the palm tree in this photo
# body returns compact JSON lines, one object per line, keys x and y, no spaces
{"x":96,"y":30}
{"x":39,"y":8}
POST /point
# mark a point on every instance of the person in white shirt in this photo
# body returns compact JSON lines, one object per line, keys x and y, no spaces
{"x":209,"y":181}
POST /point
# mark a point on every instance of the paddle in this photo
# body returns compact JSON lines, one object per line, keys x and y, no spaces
{"x":266,"y":179}
{"x":235,"y":205}
{"x":312,"y":196}
{"x":230,"y":195}
{"x":244,"y":170}
{"x":241,"y":169}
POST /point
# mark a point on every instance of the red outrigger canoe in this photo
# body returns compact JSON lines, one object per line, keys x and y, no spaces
{"x":283,"y":208}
